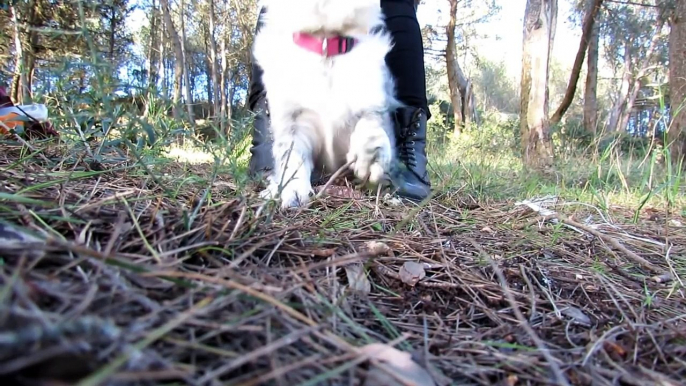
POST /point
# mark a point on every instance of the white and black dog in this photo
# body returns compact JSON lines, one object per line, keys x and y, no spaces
{"x":329,"y":92}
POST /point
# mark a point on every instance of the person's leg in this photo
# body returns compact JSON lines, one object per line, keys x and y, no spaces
{"x":406,"y":63}
{"x":261,"y":157}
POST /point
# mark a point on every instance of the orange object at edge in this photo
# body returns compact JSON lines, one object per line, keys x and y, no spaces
{"x":11,"y":120}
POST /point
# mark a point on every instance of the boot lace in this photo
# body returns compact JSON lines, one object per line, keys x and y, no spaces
{"x":407,"y":151}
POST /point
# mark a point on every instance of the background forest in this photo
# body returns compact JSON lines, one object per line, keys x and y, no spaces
{"x":191,"y":61}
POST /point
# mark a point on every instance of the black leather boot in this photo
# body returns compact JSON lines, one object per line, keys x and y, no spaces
{"x":261,"y":157}
{"x":411,"y":180}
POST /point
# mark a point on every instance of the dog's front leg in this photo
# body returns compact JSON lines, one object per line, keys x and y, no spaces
{"x":293,"y":163}
{"x":371,"y":146}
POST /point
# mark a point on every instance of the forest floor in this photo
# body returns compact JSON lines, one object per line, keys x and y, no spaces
{"x":170,"y":273}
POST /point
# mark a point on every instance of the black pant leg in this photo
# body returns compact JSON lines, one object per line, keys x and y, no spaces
{"x":256,"y":88}
{"x":406,"y":59}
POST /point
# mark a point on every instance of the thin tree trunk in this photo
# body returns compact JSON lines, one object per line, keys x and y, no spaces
{"x":677,"y":85}
{"x":30,"y":60}
{"x":186,"y":78}
{"x":468,"y":103}
{"x":213,"y":59}
{"x":178,"y":53}
{"x":539,"y":34}
{"x":461,"y":88}
{"x":231,"y":93}
{"x":591,"y":86}
{"x":208,"y":67}
{"x":643,"y":71}
{"x":589,"y":21}
{"x":151,"y":65}
{"x":452,"y":66}
{"x":162,"y":68}
{"x":209,"y":85}
{"x":225,"y":114}
{"x":622,"y":95}
{"x":19,"y":91}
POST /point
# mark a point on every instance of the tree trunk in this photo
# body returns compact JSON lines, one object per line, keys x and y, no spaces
{"x":208,"y":85}
{"x":540,"y":19}
{"x":623,"y":94}
{"x":162,"y":69}
{"x":186,"y":78}
{"x":225,"y":113}
{"x":178,"y":53}
{"x":643,"y":69}
{"x":589,"y":21}
{"x":453,"y":67}
{"x":213,"y":58}
{"x":591,"y":87}
{"x":19,"y":91}
{"x":677,"y":85}
{"x":468,"y":103}
{"x":151,"y":65}
{"x":30,"y":62}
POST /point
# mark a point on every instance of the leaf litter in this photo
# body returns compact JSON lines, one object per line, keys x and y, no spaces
{"x":123,"y":278}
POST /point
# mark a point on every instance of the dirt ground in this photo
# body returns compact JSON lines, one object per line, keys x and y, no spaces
{"x":123,"y":277}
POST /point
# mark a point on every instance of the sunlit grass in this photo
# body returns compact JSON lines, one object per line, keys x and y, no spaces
{"x":188,"y":154}
{"x":485,"y":163}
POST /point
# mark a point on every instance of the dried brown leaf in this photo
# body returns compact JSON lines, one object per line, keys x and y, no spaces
{"x":377,"y":248}
{"x":323,"y":252}
{"x":411,"y":273}
{"x":357,"y":279}
{"x":398,"y":362}
{"x":614,"y":348}
{"x":576,"y":315}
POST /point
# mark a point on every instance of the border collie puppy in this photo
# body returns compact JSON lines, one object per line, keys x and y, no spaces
{"x":330,"y":93}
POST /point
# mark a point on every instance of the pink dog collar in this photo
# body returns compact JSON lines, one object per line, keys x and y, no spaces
{"x":324,"y":46}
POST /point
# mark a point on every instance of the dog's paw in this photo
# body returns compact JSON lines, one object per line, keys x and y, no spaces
{"x":373,"y":155}
{"x":294,"y":194}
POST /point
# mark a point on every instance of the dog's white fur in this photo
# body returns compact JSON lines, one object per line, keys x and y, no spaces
{"x":325,"y":112}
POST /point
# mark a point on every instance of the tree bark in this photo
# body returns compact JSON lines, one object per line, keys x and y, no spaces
{"x":209,"y":85}
{"x":589,"y":21}
{"x":623,"y":94}
{"x":225,"y":113}
{"x":186,"y":78}
{"x":540,"y":19}
{"x":151,"y":65}
{"x":461,"y":88}
{"x":178,"y":53}
{"x":30,"y":63}
{"x":591,"y":86}
{"x":643,"y":67}
{"x":453,"y":68}
{"x":162,"y":68}
{"x":213,"y":58}
{"x":19,"y":92}
{"x":677,"y":85}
